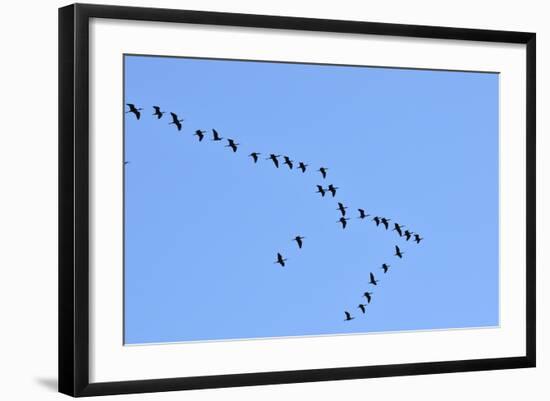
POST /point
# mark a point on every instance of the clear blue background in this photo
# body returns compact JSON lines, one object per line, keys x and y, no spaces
{"x":203,"y":224}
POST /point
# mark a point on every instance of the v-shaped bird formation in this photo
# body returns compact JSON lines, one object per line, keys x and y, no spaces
{"x":331,"y":189}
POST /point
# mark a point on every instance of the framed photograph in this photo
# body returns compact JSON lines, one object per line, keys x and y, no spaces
{"x":251,"y":199}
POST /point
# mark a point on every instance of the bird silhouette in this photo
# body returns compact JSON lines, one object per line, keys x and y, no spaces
{"x":280,"y":260}
{"x":288,"y":162}
{"x":362,"y":307}
{"x":342,"y":208}
{"x":332,"y":190}
{"x":343,"y":221}
{"x":254,"y":156}
{"x":417,"y":238}
{"x":397,"y":227}
{"x":321,"y":190}
{"x":385,"y":267}
{"x":231,"y":144}
{"x":348,"y":316}
{"x":199,"y":134}
{"x":376,"y":219}
{"x":386,"y":222}
{"x":125,"y":163}
{"x":175,"y":121}
{"x":362,"y":214}
{"x":372,"y":280}
{"x":407,"y":234}
{"x":273,"y":158}
{"x":398,"y":252}
{"x":134,"y":109}
{"x":323,"y":171}
{"x":215,"y":135}
{"x":299,"y":241}
{"x":302,"y":166}
{"x":157,"y":112}
{"x":368,"y":296}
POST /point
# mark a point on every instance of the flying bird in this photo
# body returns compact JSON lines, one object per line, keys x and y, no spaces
{"x":372,"y":280}
{"x":134,"y":109}
{"x":348,"y":316}
{"x":157,"y":112}
{"x":397,"y":227}
{"x":231,"y":144}
{"x":280,"y":260}
{"x":302,"y":166}
{"x":398,"y":252}
{"x":126,"y":163}
{"x":332,"y":190}
{"x":368,"y":296}
{"x":386,"y":222}
{"x":254,"y":156}
{"x":323,"y":171}
{"x":199,"y":134}
{"x":417,"y":238}
{"x":385,"y":267}
{"x":342,"y":208}
{"x":273,"y":157}
{"x":362,"y":214}
{"x":362,"y":307}
{"x":288,"y":162}
{"x":175,"y":121}
{"x":408,"y":234}
{"x":299,"y":241}
{"x":215,"y":135}
{"x":376,"y":219}
{"x":343,"y":220}
{"x":320,"y":190}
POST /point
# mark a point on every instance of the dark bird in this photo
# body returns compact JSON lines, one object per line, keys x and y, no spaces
{"x":332,"y":190}
{"x":323,"y":171}
{"x":372,"y":280}
{"x":302,"y":166}
{"x":200,"y":134}
{"x":343,"y":220}
{"x":368,"y":296}
{"x":280,"y":260}
{"x":134,"y":110}
{"x":408,"y":234}
{"x":385,"y":267}
{"x":376,"y":219}
{"x":157,"y":112}
{"x":215,"y":135}
{"x":362,"y":214}
{"x":254,"y":156}
{"x":397,"y":227}
{"x":231,"y":144}
{"x":126,"y":163}
{"x":386,"y":222}
{"x":320,"y":190}
{"x":398,"y":252}
{"x":273,"y":158}
{"x":362,"y":307}
{"x":342,"y":208}
{"x":417,"y":238}
{"x":299,"y":241}
{"x":175,"y":121}
{"x":288,"y":162}
{"x":348,"y":316}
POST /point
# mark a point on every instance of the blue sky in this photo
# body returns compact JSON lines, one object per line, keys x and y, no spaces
{"x":203,"y":225}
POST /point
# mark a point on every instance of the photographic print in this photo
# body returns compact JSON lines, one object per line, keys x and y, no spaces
{"x":271,"y":199}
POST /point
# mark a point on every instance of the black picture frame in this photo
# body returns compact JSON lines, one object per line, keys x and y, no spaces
{"x":74,"y":199}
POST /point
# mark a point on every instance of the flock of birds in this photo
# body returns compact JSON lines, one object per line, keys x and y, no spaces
{"x":380,"y":221}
